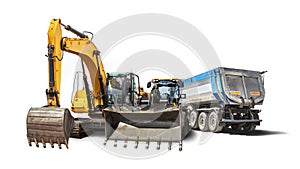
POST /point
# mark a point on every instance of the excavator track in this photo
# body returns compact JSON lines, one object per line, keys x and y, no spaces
{"x":51,"y":125}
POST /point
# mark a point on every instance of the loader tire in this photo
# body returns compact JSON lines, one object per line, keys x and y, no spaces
{"x":213,"y":122}
{"x":203,"y":122}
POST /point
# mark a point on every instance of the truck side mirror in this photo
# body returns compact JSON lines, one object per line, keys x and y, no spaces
{"x":148,"y":84}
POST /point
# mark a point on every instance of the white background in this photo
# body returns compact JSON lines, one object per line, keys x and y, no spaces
{"x":258,"y":35}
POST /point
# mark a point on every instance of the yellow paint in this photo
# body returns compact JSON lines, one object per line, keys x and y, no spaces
{"x":255,"y":93}
{"x":235,"y":92}
{"x":82,"y":47}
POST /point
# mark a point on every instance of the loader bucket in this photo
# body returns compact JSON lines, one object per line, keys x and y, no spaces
{"x":166,"y":125}
{"x":51,"y":125}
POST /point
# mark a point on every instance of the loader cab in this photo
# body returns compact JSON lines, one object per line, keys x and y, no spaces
{"x":165,"y":91}
{"x":123,"y":88}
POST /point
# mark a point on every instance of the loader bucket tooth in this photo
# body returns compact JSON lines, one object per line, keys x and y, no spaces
{"x":158,"y":144}
{"x":170,"y":144}
{"x":51,"y":125}
{"x":125,"y":143}
{"x":147,"y":143}
{"x":115,"y":144}
{"x":136,"y":142}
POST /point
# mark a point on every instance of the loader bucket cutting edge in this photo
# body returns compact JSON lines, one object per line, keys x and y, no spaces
{"x":51,"y":125}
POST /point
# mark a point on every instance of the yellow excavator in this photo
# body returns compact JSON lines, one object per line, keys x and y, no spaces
{"x":52,"y":124}
{"x":116,"y":98}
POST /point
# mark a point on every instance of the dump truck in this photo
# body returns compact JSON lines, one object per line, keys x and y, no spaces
{"x":224,"y":97}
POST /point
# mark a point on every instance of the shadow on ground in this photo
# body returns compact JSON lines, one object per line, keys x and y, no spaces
{"x":191,"y":136}
{"x":252,"y":133}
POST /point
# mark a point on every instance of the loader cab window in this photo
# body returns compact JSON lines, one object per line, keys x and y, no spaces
{"x":115,"y":89}
{"x":169,"y":91}
{"x":235,"y":85}
{"x":135,"y":88}
{"x":132,"y":89}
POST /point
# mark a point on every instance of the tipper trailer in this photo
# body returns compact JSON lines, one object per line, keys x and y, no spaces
{"x":224,"y":97}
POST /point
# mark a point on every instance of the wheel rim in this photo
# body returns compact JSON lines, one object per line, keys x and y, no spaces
{"x":202,"y":121}
{"x":193,"y":119}
{"x":235,"y":127}
{"x":212,"y":122}
{"x":249,"y":127}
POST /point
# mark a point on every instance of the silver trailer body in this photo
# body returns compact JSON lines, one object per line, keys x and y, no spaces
{"x":230,"y":93}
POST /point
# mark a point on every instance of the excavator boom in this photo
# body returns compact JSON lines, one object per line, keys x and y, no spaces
{"x":52,"y":124}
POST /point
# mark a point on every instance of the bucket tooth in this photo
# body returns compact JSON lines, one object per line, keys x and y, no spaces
{"x":36,"y":142}
{"x":170,"y":144}
{"x":105,"y":142}
{"x":51,"y":143}
{"x":125,"y":142}
{"x":66,"y":143}
{"x":180,"y":145}
{"x":58,"y":142}
{"x":136,"y":142}
{"x":29,"y":142}
{"x":147,"y":143}
{"x":43,"y":142}
{"x":158,"y":144}
{"x":115,"y":144}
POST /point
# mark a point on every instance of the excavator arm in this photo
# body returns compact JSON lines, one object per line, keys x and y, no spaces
{"x":82,"y":47}
{"x":52,"y":124}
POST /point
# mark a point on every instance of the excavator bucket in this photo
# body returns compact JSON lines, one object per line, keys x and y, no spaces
{"x":51,"y":125}
{"x":166,"y":125}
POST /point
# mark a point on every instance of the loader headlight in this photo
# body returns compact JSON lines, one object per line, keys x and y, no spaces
{"x":183,"y":96}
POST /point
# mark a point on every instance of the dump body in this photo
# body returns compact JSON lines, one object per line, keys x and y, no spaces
{"x":231,"y":93}
{"x":225,"y":86}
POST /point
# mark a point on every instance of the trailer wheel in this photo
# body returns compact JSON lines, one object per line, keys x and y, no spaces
{"x":202,"y":122}
{"x":213,"y":122}
{"x":236,"y":126}
{"x":193,"y":119}
{"x":249,"y":127}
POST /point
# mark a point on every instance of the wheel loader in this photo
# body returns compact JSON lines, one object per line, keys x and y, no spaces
{"x":113,"y":98}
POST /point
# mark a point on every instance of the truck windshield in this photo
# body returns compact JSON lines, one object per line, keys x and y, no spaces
{"x":235,"y":84}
